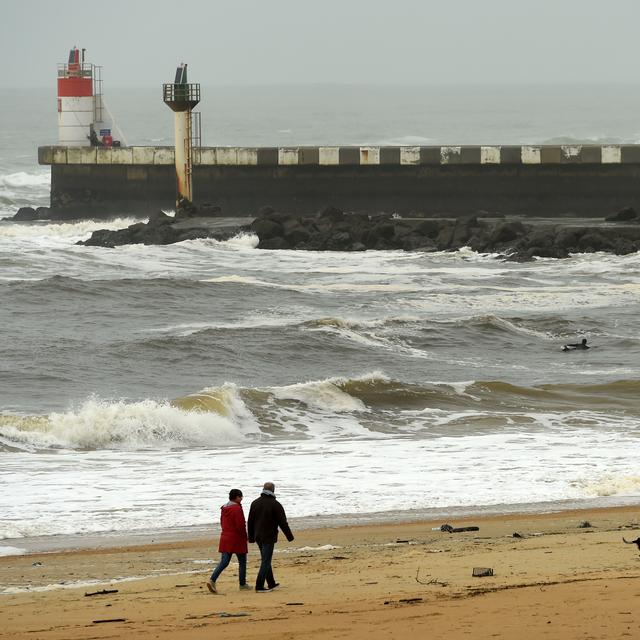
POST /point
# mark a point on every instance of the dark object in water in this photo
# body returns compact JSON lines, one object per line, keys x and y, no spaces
{"x":482,"y":572}
{"x":636,"y":542}
{"x":576,"y":346}
{"x":516,"y":535}
{"x":449,"y":529}
{"x":585,"y":525}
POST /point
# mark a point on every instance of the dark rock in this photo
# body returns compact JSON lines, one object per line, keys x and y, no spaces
{"x":593,"y":241}
{"x":418,"y":243}
{"x":43,"y":213}
{"x":624,"y":215}
{"x":25,"y":214}
{"x":207,"y":210}
{"x":339,"y":241}
{"x":266,"y":229}
{"x":159,"y":218}
{"x":330,"y":213}
{"x":507,"y":232}
{"x":297,"y":236}
{"x":265,"y":211}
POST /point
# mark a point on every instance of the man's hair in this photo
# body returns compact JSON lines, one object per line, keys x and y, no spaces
{"x":235,"y":493}
{"x":269,"y":486}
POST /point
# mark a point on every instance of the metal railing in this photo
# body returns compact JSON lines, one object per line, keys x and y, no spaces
{"x":97,"y":94}
{"x":181,"y":92}
{"x":196,"y":136}
{"x":78,"y":69}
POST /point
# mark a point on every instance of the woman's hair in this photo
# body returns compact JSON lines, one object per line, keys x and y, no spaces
{"x":235,"y":493}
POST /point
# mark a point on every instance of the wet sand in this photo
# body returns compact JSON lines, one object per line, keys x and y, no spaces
{"x":399,"y":580}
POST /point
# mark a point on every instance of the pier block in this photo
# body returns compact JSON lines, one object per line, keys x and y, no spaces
{"x":409,"y":155}
{"x":143,"y":155}
{"x":550,"y":154}
{"x":611,"y":154}
{"x":530,"y":155}
{"x":123,"y":155}
{"x":630,"y":154}
{"x":288,"y":155}
{"x":81,"y":155}
{"x":369,"y":155}
{"x":349,"y":155}
{"x":510,"y":155}
{"x":430,"y":155}
{"x":490,"y":155}
{"x":268,"y":155}
{"x":390,"y":155}
{"x":309,"y":155}
{"x":450,"y":155}
{"x":329,"y":155}
{"x":247,"y":156}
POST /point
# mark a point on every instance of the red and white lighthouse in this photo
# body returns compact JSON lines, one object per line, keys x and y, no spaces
{"x":80,"y":105}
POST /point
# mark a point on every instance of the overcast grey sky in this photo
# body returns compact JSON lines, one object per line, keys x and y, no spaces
{"x":327,"y":41}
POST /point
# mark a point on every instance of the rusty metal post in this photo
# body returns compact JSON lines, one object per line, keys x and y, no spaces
{"x":182,"y":97}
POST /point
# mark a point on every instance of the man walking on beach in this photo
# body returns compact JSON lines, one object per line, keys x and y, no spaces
{"x":265,"y":516}
{"x":233,"y":539}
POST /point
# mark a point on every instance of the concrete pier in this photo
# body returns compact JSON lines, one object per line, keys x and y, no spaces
{"x":584,"y":180}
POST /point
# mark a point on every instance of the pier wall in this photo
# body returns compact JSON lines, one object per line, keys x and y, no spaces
{"x":528,"y":180}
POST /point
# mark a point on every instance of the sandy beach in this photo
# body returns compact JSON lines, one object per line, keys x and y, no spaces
{"x":558,"y":580}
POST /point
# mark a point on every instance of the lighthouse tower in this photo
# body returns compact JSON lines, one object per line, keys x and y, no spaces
{"x":80,"y":106}
{"x":181,"y":97}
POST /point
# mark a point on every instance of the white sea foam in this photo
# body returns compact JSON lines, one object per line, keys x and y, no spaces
{"x":98,"y":424}
{"x":11,"y":183}
{"x":611,"y":485}
{"x":67,"y":231}
{"x":11,"y":551}
{"x":107,"y":491}
{"x":324,"y":395}
{"x":324,"y":547}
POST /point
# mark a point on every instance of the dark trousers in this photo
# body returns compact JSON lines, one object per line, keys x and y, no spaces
{"x":225,"y":558}
{"x":265,"y":572}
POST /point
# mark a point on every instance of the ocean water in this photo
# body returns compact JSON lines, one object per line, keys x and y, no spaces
{"x":138,"y":385}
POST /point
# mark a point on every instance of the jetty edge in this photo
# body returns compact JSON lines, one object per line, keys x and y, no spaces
{"x":528,"y":180}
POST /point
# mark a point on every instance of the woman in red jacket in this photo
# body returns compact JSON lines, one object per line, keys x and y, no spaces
{"x":233,"y":539}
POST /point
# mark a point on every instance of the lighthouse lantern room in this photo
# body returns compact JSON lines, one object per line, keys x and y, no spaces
{"x":80,"y":104}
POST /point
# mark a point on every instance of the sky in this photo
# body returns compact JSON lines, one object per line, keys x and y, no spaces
{"x":395,"y":42}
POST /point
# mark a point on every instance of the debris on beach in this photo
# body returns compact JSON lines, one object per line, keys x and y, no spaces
{"x":100,"y":593}
{"x":482,"y":572}
{"x":636,"y":542}
{"x":404,"y":601}
{"x":109,"y":620}
{"x":585,"y":525}
{"x":447,"y":528}
{"x":218,"y":614}
{"x":515,"y":534}
{"x":434,"y":581}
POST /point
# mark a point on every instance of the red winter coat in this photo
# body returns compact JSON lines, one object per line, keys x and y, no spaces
{"x":233,"y":538}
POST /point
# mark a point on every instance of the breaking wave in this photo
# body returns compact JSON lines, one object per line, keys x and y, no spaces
{"x":227,"y":415}
{"x":99,"y":424}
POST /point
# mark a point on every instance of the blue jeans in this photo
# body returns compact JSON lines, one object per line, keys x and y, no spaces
{"x":225,"y":559}
{"x":265,"y":572}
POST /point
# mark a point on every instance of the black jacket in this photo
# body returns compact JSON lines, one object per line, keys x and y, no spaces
{"x":265,"y":516}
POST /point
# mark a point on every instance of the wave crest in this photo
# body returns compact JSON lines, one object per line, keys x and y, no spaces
{"x":99,"y":424}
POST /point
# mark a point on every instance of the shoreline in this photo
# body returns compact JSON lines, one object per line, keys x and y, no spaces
{"x":120,"y":539}
{"x":555,"y":579}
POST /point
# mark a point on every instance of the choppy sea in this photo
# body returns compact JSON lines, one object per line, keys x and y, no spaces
{"x":139,"y":384}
